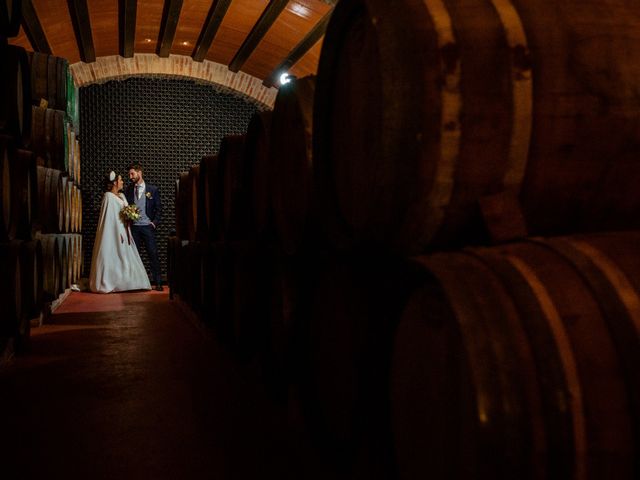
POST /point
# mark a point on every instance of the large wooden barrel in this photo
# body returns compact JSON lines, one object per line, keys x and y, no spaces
{"x":24,"y":192}
{"x":32,"y":278}
{"x":194,"y":220}
{"x":12,"y":318}
{"x":426,"y":107}
{"x":236,"y":210}
{"x":521,"y":362}
{"x":15,"y":104}
{"x":284,"y":288}
{"x":222,"y":294}
{"x":212,"y":187}
{"x":10,"y":18}
{"x":64,"y":218}
{"x":51,"y":266}
{"x":292,"y":163}
{"x":49,"y":80}
{"x":63,"y":260}
{"x":76,"y":209}
{"x":249,"y":276}
{"x":7,"y":150}
{"x":76,"y":160}
{"x":256,"y":151}
{"x":73,"y":244}
{"x":183,"y":205}
{"x":48,"y":136}
{"x":49,"y":192}
{"x":173,"y":245}
{"x":348,"y":307}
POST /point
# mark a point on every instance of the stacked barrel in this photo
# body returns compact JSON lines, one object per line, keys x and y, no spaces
{"x":55,"y":141}
{"x":39,"y":193}
{"x":439,"y":246}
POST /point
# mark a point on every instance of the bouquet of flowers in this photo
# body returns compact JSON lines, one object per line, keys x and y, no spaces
{"x":130,"y":214}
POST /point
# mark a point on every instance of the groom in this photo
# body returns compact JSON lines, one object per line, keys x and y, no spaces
{"x":147,"y":198}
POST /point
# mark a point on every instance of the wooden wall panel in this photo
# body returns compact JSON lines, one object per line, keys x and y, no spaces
{"x":148,"y":20}
{"x":308,"y":65}
{"x":21,"y":40}
{"x":57,"y":26}
{"x":104,"y":26}
{"x":240,"y":19}
{"x":298,"y":16}
{"x":192,"y":17}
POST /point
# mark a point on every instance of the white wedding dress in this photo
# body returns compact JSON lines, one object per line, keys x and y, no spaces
{"x":116,"y":265}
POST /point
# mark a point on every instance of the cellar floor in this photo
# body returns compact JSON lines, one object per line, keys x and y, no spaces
{"x":130,"y":386}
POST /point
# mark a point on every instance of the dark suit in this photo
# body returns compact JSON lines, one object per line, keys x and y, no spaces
{"x":146,"y":234}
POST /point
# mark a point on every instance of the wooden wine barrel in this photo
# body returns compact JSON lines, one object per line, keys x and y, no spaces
{"x":521,"y":362}
{"x":222,"y":284}
{"x":235,"y":207}
{"x":54,"y":139}
{"x":76,"y":160}
{"x":10,"y":18}
{"x":64,"y":218}
{"x":292,"y":163}
{"x":475,"y":100}
{"x":285,"y":291}
{"x":73,"y":246}
{"x":15,"y":107}
{"x":257,"y":157}
{"x":49,"y":80}
{"x":12,"y":318}
{"x":79,"y":211}
{"x":7,"y":150}
{"x":48,"y":136}
{"x":24,"y":192}
{"x":32,"y":278}
{"x":51,"y":266}
{"x":183,"y":205}
{"x":39,"y":139}
{"x":69,"y":139}
{"x":63,"y":260}
{"x":192,"y":210}
{"x":49,"y":192}
{"x":348,"y":307}
{"x":173,"y":244}
{"x":207,"y":277}
{"x":212,"y":186}
{"x":250,"y":299}
{"x":73,"y":214}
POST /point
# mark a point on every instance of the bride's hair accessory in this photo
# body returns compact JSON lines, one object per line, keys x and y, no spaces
{"x":112,"y":176}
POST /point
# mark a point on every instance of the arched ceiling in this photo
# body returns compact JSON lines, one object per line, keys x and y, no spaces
{"x":257,"y":37}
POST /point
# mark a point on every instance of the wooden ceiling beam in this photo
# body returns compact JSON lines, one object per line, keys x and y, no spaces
{"x":82,"y":28}
{"x":168,"y":25}
{"x":214,"y":18}
{"x":299,"y":50}
{"x":33,"y":28}
{"x":268,"y":17}
{"x":127,"y":26}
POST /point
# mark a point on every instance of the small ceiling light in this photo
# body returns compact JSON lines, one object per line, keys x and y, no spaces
{"x":299,"y":10}
{"x":185,"y":43}
{"x":147,"y":40}
{"x":285,"y":78}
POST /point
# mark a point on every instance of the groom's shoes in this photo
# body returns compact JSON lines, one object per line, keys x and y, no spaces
{"x":158,"y":288}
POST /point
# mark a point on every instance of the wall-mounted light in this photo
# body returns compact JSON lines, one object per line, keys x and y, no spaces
{"x":285,"y":78}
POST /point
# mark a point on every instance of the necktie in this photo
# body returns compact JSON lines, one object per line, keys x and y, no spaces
{"x":137,"y":190}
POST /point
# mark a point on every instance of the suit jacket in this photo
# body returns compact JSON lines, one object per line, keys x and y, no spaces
{"x":153,"y":205}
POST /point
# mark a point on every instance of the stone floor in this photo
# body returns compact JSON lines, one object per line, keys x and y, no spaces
{"x":129,"y":386}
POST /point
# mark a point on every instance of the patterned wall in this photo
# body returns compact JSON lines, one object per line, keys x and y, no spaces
{"x":167,"y":124}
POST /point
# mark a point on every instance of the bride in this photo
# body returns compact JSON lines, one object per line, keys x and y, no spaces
{"x":116,"y":264}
